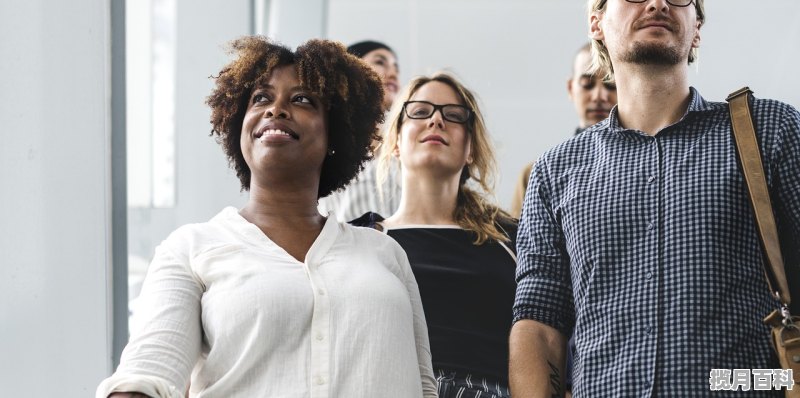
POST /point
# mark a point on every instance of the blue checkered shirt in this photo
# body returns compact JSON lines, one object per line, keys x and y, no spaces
{"x":646,"y":247}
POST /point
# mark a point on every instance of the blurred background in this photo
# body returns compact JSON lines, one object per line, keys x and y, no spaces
{"x":106,"y":145}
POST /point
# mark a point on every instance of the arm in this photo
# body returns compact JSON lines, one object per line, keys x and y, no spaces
{"x":537,"y":356}
{"x":543,"y":308}
{"x":160,"y":355}
{"x":786,"y":184}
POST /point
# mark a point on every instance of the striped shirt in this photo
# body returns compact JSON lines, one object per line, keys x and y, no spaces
{"x":646,"y":247}
{"x":362,"y":196}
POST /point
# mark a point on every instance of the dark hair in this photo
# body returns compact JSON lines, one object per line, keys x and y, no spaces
{"x":350,"y":88}
{"x":363,"y":48}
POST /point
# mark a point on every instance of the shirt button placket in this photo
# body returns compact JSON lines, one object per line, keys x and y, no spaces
{"x":647,"y":322}
{"x":320,"y":325}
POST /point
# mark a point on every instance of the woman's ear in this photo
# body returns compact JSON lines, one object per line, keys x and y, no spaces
{"x":396,"y":147}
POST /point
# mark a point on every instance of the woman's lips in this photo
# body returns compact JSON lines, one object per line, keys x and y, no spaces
{"x":274,"y":130}
{"x":434,"y":139}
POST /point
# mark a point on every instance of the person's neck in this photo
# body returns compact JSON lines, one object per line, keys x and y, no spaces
{"x":426,"y":200}
{"x":275,"y":207}
{"x":651,"y":97}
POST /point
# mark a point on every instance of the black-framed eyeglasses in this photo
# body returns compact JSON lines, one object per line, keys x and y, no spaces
{"x":676,"y":3}
{"x":423,"y":109}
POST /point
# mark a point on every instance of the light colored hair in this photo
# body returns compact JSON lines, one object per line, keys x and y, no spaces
{"x":601,"y":61}
{"x":474,"y":212}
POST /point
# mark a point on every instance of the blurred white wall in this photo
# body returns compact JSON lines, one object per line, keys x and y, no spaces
{"x":204,"y":183}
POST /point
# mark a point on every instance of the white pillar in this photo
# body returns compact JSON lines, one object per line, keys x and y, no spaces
{"x":55,"y":197}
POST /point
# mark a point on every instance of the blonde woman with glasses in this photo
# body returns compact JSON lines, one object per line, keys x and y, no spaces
{"x":460,"y":245}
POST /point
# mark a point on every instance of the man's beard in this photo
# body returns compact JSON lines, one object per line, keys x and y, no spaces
{"x":653,"y":54}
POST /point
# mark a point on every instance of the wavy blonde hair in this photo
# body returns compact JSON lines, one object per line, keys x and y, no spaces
{"x":474,"y":212}
{"x":601,"y":60}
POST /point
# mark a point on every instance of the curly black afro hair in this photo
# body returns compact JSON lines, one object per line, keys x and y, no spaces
{"x":352,"y":90}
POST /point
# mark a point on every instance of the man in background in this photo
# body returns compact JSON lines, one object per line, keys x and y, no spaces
{"x":593,"y":99}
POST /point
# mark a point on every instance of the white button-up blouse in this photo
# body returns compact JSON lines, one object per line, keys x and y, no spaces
{"x":224,"y":304}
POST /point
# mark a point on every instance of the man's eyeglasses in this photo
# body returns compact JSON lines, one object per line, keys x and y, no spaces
{"x":676,"y":3}
{"x":424,"y":109}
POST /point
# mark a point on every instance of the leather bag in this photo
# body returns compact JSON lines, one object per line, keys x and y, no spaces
{"x":785,"y":327}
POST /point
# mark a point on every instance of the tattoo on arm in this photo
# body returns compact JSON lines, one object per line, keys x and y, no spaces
{"x":555,"y":381}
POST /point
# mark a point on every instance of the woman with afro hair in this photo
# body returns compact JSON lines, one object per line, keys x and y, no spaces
{"x":274,"y":299}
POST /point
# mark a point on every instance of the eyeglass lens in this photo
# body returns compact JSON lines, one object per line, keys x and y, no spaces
{"x":424,"y":110}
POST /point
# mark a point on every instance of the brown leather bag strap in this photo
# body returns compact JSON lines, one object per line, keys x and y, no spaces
{"x":753,"y":169}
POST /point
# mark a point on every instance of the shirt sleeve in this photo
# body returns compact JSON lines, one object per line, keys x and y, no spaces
{"x":160,"y":355}
{"x":420,"y":328}
{"x":786,"y":192}
{"x":544,"y":289}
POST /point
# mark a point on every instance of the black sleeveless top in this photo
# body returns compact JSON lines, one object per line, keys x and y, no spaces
{"x":467,"y":293}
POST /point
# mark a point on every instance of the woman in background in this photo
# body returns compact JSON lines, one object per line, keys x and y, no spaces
{"x":275,"y":300}
{"x":360,"y":196}
{"x":460,"y":245}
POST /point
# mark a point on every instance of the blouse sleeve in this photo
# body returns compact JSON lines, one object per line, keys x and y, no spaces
{"x":420,"y":328}
{"x":159,"y":357}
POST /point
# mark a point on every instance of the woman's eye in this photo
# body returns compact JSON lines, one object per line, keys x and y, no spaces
{"x":259,"y":98}
{"x":302,"y":99}
{"x":419,"y":112}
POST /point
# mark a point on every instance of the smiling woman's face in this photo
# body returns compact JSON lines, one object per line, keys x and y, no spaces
{"x":434,"y":142}
{"x":384,"y":63}
{"x":284,"y":128}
